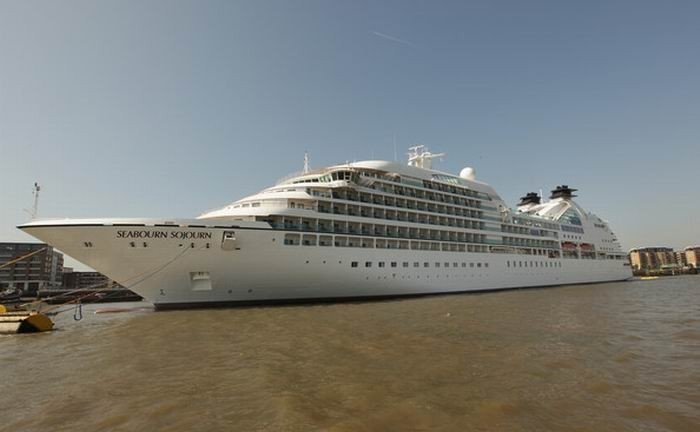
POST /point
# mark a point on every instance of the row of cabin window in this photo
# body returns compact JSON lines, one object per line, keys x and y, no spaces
{"x":537,"y":223}
{"x":254,"y":204}
{"x":294,"y":223}
{"x":517,"y":241}
{"x":463,"y":220}
{"x":533,"y":264}
{"x":426,"y":184}
{"x":393,"y":233}
{"x":342,"y":241}
{"x":403,"y":243}
{"x":528,"y":231}
{"x":416,"y":264}
{"x":382,"y":198}
{"x":572,"y":229}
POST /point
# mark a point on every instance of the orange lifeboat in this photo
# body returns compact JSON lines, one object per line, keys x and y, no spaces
{"x":568,"y":245}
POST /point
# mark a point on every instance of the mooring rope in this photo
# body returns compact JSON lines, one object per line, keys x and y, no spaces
{"x":22,"y":257}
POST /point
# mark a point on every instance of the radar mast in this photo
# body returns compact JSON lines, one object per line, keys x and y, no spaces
{"x":420,"y":157}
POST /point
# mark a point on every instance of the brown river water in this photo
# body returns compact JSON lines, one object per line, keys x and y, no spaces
{"x":609,"y":357}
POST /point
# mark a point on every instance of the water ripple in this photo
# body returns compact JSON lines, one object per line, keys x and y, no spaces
{"x":618,"y":356}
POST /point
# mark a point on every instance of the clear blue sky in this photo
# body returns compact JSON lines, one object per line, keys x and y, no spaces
{"x":148,"y":108}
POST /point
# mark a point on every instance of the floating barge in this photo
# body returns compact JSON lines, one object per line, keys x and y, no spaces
{"x":23,"y":322}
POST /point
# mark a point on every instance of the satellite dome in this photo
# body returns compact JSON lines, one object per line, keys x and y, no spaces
{"x":468,"y":173}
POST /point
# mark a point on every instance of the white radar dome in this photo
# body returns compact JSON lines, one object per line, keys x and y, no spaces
{"x":468,"y":173}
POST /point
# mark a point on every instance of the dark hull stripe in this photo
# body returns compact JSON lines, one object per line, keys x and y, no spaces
{"x":348,"y":299}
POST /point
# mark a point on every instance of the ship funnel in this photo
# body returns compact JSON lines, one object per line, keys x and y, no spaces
{"x":564,"y":192}
{"x":530,"y":198}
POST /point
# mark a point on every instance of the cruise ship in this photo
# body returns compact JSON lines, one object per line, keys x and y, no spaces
{"x":367,"y":229}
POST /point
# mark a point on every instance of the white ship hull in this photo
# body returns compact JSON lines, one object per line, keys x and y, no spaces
{"x":181,"y":265}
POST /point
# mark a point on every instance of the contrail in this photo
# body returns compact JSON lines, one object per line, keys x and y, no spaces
{"x":392,"y":38}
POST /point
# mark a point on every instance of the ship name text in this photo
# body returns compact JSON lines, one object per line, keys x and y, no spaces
{"x":158,"y":234}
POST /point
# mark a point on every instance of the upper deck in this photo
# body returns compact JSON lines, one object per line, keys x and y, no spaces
{"x":414,"y":202}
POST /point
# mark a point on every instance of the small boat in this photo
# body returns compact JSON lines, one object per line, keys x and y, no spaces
{"x":10,"y":296}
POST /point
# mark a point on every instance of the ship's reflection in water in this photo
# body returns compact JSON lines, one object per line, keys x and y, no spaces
{"x":609,"y":357}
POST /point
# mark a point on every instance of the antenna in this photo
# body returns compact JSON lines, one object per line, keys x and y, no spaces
{"x":306,"y":163}
{"x":396,"y":158}
{"x":34,"y":212}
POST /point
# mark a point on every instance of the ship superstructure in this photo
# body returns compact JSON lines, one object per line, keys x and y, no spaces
{"x":362,"y":229}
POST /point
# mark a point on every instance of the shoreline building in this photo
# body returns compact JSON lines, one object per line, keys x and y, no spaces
{"x":681,"y":260}
{"x":692,"y":256}
{"x":651,"y":258}
{"x":41,"y":271}
{"x":86,"y":280}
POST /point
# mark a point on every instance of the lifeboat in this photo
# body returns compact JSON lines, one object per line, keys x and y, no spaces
{"x":568,"y":245}
{"x":586,"y":247}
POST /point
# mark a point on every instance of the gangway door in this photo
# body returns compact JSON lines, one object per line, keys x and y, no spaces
{"x":228,"y":241}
